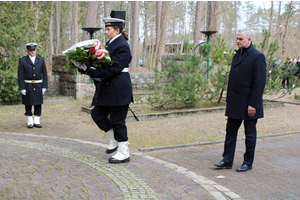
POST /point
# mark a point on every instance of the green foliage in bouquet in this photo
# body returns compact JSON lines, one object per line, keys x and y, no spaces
{"x":86,"y":55}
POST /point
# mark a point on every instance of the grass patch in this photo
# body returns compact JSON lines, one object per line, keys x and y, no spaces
{"x":146,"y":108}
{"x":160,"y":132}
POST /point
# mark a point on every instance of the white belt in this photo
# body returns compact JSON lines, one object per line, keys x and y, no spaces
{"x":33,"y":81}
{"x":125,"y":70}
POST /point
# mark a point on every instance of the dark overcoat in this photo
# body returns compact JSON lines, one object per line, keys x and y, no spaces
{"x":246,"y":84}
{"x":115,"y":88}
{"x":32,"y":71}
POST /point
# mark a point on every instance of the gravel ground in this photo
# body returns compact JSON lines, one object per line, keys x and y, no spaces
{"x":161,"y":132}
{"x":211,"y":127}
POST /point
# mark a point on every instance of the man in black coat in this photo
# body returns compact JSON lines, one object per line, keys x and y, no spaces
{"x":33,"y":82}
{"x":244,"y":100}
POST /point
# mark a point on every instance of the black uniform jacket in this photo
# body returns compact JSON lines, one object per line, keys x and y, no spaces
{"x":246,"y":84}
{"x":29,"y":71}
{"x":115,"y":88}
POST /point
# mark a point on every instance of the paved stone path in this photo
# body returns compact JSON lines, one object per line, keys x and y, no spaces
{"x":60,"y":161}
{"x":50,"y":167}
{"x":275,"y":174}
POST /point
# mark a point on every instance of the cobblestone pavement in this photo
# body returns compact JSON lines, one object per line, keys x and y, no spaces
{"x":39,"y":164}
{"x":60,"y":161}
{"x":275,"y":174}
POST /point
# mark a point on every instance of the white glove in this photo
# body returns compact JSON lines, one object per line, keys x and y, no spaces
{"x":23,"y":92}
{"x":43,"y":90}
{"x":77,"y":64}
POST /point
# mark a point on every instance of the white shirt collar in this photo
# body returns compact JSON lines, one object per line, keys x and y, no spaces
{"x":32,"y":58}
{"x":114,"y":38}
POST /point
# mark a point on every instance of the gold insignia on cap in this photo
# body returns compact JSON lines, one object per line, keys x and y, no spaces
{"x":32,"y":45}
{"x":107,"y":24}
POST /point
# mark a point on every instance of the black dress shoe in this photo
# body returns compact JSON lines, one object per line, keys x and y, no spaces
{"x":115,"y":161}
{"x":223,"y":164}
{"x":109,"y":151}
{"x":30,"y":126}
{"x":244,"y":168}
{"x":37,"y":125}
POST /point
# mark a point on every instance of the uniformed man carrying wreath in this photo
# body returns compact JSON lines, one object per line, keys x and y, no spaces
{"x":33,"y":82}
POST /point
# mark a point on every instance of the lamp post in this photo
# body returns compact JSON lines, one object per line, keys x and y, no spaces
{"x":91,"y":31}
{"x":208,"y":34}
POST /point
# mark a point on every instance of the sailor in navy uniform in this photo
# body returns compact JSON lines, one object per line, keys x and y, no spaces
{"x":114,"y":93}
{"x":33,"y":82}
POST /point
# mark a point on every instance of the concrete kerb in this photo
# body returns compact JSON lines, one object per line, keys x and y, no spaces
{"x":46,"y":99}
{"x":147,"y":149}
{"x":164,"y":115}
{"x":287,"y":102}
{"x":55,"y":99}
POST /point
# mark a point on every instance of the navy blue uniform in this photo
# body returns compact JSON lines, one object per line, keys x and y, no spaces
{"x":114,"y":92}
{"x":32,"y":71}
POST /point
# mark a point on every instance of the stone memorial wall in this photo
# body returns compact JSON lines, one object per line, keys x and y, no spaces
{"x":63,"y":82}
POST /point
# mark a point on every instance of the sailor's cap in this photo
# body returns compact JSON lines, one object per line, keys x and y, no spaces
{"x":113,"y":22}
{"x":31,"y":45}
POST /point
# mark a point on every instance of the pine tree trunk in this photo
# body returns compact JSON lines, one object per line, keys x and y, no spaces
{"x":197,"y":24}
{"x":278,"y":19}
{"x":51,"y":31}
{"x":214,"y":22}
{"x":146,"y":38}
{"x":91,"y":16}
{"x":75,"y":27}
{"x":158,"y":33}
{"x":209,"y":15}
{"x":152,"y":47}
{"x":173,"y":20}
{"x":162,"y":36}
{"x":57,"y":27}
{"x":134,"y":36}
{"x":158,"y":21}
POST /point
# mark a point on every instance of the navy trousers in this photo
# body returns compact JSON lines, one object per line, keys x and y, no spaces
{"x":112,"y":117}
{"x":37,"y":110}
{"x":232,"y":128}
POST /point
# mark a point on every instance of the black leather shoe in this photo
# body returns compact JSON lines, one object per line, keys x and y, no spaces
{"x":37,"y":125}
{"x":223,"y":164}
{"x":109,"y":151}
{"x":244,"y":168}
{"x":30,"y":126}
{"x":115,"y":161}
